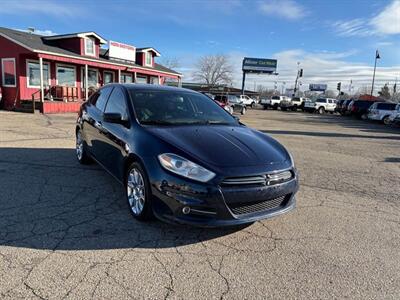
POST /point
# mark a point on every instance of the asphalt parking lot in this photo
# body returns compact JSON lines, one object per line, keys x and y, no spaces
{"x":66,"y":231}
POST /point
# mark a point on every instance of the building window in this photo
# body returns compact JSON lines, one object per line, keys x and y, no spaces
{"x":9,"y":72}
{"x":92,"y":78}
{"x":141,"y":79}
{"x":126,"y":78}
{"x":154,"y":80}
{"x":108,"y":77}
{"x":33,"y":74}
{"x":148,"y":59}
{"x":89,"y":47}
{"x":66,"y":76}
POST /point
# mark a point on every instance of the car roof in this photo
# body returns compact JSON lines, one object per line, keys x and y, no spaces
{"x":150,"y":87}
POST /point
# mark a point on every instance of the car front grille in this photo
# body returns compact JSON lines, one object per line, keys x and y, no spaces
{"x":243,"y":208}
{"x":267,"y":179}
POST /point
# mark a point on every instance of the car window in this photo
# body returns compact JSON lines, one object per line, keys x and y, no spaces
{"x":386,"y":106}
{"x":275,"y":98}
{"x":101,"y":99}
{"x":321,"y":100}
{"x":177,"y":108}
{"x":117,"y":103}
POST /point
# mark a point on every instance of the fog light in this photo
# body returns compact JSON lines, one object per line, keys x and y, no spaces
{"x":186,"y":210}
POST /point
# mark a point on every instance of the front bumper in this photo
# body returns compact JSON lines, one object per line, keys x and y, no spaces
{"x":213,"y":205}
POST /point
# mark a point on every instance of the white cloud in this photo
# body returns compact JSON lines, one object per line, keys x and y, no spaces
{"x":45,"y":32}
{"x":385,"y":23}
{"x":319,"y":67}
{"x":44,"y":7}
{"x":388,"y":21}
{"x":287,"y":9}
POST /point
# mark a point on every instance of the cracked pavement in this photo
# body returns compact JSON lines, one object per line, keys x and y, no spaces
{"x":66,"y":231}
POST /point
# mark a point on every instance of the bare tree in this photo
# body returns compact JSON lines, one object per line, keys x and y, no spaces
{"x":170,"y":62}
{"x":213,"y":70}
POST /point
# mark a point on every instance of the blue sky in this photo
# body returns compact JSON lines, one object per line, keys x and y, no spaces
{"x":332,"y":40}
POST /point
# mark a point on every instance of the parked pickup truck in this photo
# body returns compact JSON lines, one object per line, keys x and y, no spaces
{"x":321,"y":105}
{"x":274,"y":102}
{"x":247,"y":101}
{"x":294,"y":103}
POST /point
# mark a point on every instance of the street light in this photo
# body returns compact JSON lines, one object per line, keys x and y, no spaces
{"x":377,"y":56}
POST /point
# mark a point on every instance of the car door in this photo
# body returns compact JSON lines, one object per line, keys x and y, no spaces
{"x":115,"y":135}
{"x":92,"y":119}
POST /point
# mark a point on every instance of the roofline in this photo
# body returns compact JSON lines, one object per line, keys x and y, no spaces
{"x":105,"y":62}
{"x":16,"y":42}
{"x":84,"y":58}
{"x":72,"y":35}
{"x":148,"y":48}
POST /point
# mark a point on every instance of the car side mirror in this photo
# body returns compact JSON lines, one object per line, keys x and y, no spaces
{"x":115,"y":118}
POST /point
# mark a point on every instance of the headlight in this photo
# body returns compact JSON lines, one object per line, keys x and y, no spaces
{"x":181,"y":166}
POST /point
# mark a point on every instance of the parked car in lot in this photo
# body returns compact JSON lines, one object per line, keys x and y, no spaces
{"x":344,"y":107}
{"x":274,"y":102}
{"x":381,"y":111}
{"x":248,"y":101}
{"x":359,"y":108}
{"x":339,"y":105}
{"x":321,"y":105}
{"x":231,"y":103}
{"x":183,"y":158}
{"x":294,"y":103}
{"x":394,"y":118}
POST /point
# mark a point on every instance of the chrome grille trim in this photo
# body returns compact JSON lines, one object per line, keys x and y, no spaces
{"x":267,"y":179}
{"x":245,"y":180}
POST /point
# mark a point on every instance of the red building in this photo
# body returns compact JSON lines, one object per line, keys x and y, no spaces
{"x":55,"y":73}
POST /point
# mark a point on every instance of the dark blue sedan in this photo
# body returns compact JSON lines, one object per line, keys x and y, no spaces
{"x":183,"y":158}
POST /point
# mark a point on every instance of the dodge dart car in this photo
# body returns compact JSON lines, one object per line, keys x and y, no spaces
{"x":183,"y":158}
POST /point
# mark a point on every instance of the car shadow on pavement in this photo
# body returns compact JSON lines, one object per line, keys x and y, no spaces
{"x":49,"y":201}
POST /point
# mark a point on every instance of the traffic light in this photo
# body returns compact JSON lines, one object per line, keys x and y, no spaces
{"x":301,"y":73}
{"x":339,"y":86}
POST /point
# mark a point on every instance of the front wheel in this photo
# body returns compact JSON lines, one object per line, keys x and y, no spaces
{"x":321,"y":110}
{"x":138,"y":194}
{"x":386,"y":120}
{"x":80,"y":150}
{"x":253,"y":104}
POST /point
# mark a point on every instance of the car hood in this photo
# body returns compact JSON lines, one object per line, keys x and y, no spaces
{"x":224,"y":146}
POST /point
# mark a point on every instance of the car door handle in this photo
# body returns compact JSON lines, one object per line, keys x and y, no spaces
{"x":98,"y":124}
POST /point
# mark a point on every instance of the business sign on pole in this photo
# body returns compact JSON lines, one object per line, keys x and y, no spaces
{"x":259,"y":65}
{"x":318,"y":87}
{"x":121,"y":51}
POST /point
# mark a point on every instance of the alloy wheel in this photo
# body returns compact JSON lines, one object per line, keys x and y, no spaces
{"x":79,"y":146}
{"x":136,"y":191}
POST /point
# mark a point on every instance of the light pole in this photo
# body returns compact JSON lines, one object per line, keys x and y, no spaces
{"x":373,"y":78}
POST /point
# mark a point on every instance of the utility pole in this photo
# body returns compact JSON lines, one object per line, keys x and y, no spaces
{"x":377,"y":56}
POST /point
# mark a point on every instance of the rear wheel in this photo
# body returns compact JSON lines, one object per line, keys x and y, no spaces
{"x":253,"y":104}
{"x":243,"y":112}
{"x":321,"y":110}
{"x":138,"y":194}
{"x":275,"y":107}
{"x":284,"y":108}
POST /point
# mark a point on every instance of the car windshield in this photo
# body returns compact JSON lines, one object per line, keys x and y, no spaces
{"x":177,"y":108}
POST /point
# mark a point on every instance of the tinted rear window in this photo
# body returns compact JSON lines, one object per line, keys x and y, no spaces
{"x":386,"y":106}
{"x":275,"y":97}
{"x":363,"y":103}
{"x":321,"y":100}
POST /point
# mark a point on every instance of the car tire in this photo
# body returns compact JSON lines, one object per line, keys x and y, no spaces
{"x":80,"y":150}
{"x":386,"y":120}
{"x":364,"y":117}
{"x":253,"y":105}
{"x":138,"y":193}
{"x":321,"y":110}
{"x":284,"y":108}
{"x":243,"y":112}
{"x":275,"y":107}
{"x":294,"y":108}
